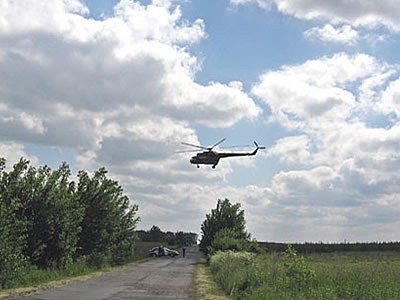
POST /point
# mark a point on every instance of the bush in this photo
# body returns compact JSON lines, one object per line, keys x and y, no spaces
{"x":295,"y":267}
{"x":122,"y":253}
{"x":97,"y":259}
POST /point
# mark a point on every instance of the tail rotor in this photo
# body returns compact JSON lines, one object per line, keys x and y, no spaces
{"x":259,"y":147}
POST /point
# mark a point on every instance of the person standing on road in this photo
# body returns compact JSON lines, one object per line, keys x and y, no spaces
{"x":183,"y":251}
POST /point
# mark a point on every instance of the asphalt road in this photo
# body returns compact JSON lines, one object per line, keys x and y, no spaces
{"x":158,"y":278}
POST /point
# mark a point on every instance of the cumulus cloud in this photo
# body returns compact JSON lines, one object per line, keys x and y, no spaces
{"x":390,"y":102}
{"x":14,"y":152}
{"x":344,"y":34}
{"x":315,"y":93}
{"x":346,"y":164}
{"x":260,"y":3}
{"x":357,"y":13}
{"x":292,"y":149}
{"x":354,"y":12}
{"x":101,"y":77}
{"x":330,"y":100}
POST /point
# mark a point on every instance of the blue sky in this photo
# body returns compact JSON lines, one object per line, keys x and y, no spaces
{"x":121,"y":84}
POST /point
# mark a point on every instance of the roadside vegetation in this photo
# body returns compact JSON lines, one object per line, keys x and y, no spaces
{"x":35,"y":279}
{"x":205,"y":286}
{"x":245,"y":271}
{"x":244,"y":275}
{"x":51,"y":226}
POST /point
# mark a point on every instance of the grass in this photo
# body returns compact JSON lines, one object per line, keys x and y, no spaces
{"x":321,"y":276}
{"x":359,"y":276}
{"x":205,"y":287}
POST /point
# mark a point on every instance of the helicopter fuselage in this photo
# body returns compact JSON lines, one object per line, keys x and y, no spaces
{"x":205,"y":158}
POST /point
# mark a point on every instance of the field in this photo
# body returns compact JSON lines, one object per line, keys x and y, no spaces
{"x":349,"y":275}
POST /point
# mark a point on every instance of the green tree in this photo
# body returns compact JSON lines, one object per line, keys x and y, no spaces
{"x":185,"y":238}
{"x":108,"y":226}
{"x":156,"y":234}
{"x":54,"y":216}
{"x":12,"y":223}
{"x":224,"y":216}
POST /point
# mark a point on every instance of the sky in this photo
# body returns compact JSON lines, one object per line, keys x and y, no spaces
{"x":121,"y":84}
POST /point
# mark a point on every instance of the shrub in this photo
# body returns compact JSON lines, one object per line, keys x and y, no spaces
{"x":295,"y":267}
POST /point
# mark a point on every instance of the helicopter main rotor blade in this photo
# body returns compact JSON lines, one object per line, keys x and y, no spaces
{"x":186,"y":151}
{"x":235,"y":146}
{"x":196,"y":146}
{"x":212,"y":147}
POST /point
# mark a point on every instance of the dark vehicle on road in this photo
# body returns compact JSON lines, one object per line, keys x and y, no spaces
{"x":162,"y":251}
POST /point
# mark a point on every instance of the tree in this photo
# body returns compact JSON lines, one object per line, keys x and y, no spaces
{"x":156,"y":235}
{"x":224,"y":216}
{"x":54,"y":216}
{"x":108,"y":226}
{"x":12,"y":223}
{"x":179,"y":238}
{"x":185,"y":238}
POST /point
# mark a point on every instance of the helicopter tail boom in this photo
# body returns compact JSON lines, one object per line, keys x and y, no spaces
{"x":222,"y":155}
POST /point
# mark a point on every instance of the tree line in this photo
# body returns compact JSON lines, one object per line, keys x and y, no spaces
{"x":307,"y":248}
{"x":155,"y":234}
{"x":48,"y":220}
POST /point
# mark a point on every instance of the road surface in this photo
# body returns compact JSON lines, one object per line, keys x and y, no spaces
{"x":158,"y":278}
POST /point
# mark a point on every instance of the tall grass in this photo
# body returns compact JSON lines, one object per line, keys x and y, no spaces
{"x":329,"y":276}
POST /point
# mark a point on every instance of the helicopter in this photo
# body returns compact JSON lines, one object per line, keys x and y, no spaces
{"x":211,"y":157}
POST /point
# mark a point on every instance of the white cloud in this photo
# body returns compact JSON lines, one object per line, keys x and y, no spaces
{"x":14,"y":152}
{"x":370,"y":13}
{"x":301,"y":184}
{"x":330,"y":100}
{"x":390,"y":102}
{"x":344,"y":34}
{"x":59,"y":67}
{"x":357,"y":13}
{"x":261,"y":3}
{"x":29,"y":16}
{"x":315,"y":93}
{"x":159,"y":21}
{"x":292,"y":149}
{"x":344,"y":165}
